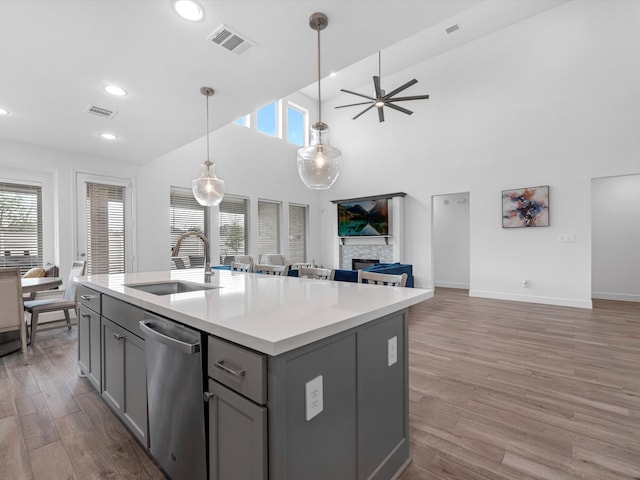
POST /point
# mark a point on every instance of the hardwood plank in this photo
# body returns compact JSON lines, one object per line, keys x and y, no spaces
{"x":59,"y":399}
{"x":87,"y":454}
{"x":51,"y":462}
{"x":14,"y":462}
{"x":38,"y":428}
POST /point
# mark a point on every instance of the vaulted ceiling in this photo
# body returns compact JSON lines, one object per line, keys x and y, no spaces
{"x":57,"y":56}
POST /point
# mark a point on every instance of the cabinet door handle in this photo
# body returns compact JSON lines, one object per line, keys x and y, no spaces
{"x":118,"y":336}
{"x":208,"y":396}
{"x":87,"y":297}
{"x":236,"y":373}
{"x":84,"y":315}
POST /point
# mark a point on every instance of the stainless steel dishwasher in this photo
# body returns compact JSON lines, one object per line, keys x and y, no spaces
{"x":175,"y":397}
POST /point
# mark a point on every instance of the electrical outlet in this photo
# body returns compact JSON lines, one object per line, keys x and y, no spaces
{"x":313,"y":397}
{"x":392,"y":351}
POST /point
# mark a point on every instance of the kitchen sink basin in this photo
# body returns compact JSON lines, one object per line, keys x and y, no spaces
{"x":170,"y":288}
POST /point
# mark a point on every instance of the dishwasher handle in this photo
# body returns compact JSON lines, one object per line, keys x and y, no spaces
{"x":152,"y":334}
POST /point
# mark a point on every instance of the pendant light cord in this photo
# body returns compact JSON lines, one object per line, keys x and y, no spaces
{"x":207,"y":133}
{"x":319,"y":91}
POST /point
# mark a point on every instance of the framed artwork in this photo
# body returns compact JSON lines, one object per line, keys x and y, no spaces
{"x":525,"y":207}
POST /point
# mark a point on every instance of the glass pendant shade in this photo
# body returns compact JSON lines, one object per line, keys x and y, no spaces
{"x":208,"y":189}
{"x":319,"y":163}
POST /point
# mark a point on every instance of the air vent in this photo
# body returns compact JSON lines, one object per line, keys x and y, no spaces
{"x":452,"y":28}
{"x":231,"y":40}
{"x":100,"y":112}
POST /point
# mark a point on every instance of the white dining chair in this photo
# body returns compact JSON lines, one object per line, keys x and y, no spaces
{"x":382,"y":279}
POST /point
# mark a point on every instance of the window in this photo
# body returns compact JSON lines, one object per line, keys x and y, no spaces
{"x":297,"y":233}
{"x":105,"y":217}
{"x":267,"y":119}
{"x":233,"y":228}
{"x":187,"y":215}
{"x":268,"y":228}
{"x":296,"y":124}
{"x":20,"y":226}
{"x":242,"y":121}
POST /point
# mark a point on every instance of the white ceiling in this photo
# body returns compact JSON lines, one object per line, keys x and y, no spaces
{"x":57,"y":55}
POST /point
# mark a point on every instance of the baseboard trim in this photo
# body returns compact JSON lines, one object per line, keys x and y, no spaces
{"x":563,"y":302}
{"x":462,"y":286}
{"x":621,"y":297}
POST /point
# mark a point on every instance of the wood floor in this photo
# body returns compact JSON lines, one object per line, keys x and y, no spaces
{"x":499,"y":390}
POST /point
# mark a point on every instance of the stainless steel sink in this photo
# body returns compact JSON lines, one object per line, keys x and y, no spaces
{"x":170,"y":288}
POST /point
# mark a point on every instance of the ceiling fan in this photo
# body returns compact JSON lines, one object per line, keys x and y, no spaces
{"x":383,"y":99}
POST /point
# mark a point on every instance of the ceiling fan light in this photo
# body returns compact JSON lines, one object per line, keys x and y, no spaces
{"x":379,"y":104}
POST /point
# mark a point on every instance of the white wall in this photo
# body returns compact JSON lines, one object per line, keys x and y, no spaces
{"x":56,"y":171}
{"x":451,"y":240}
{"x":552,"y":100}
{"x":252,"y":165}
{"x":616,"y":238}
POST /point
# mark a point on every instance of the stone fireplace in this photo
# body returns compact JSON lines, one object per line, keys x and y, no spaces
{"x":349,"y":252}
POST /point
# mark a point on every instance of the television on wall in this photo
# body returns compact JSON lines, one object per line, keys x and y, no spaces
{"x":360,"y":218}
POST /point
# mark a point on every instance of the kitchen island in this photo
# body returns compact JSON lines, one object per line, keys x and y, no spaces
{"x":307,"y":378}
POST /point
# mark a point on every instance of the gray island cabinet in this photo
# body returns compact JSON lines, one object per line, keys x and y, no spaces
{"x":306,"y":379}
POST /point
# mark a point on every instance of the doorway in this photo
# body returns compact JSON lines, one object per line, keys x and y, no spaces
{"x":615,"y":234}
{"x":451,"y":240}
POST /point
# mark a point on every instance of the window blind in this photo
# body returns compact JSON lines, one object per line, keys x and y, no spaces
{"x":20,"y":226}
{"x":187,"y":215}
{"x":233,"y":228}
{"x":268,"y":227}
{"x":105,"y":228}
{"x":297,"y":233}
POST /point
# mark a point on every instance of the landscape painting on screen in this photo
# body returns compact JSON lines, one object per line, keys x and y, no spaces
{"x":363,"y":218}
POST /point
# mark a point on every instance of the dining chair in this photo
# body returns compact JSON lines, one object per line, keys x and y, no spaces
{"x":382,"y":279}
{"x":270,"y":269}
{"x":65,"y":303}
{"x":241,"y":267}
{"x":11,"y":313}
{"x":314,"y":272}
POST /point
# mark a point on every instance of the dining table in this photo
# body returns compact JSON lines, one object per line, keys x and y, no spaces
{"x":10,"y":341}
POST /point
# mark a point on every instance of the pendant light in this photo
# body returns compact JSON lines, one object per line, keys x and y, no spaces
{"x":319,"y":163}
{"x":208,"y":189}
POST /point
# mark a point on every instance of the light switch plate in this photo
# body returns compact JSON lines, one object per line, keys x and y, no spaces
{"x":313,"y":397}
{"x":392,"y":351}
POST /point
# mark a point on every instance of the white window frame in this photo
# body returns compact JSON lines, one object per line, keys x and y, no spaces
{"x":305,"y":126}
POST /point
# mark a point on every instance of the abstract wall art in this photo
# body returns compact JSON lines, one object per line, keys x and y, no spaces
{"x":525,"y":207}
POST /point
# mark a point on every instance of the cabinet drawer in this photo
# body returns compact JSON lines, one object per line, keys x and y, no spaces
{"x":239,"y":369}
{"x":89,"y":298}
{"x":123,"y":314}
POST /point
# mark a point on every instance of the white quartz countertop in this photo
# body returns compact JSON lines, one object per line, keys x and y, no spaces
{"x":267,"y":313}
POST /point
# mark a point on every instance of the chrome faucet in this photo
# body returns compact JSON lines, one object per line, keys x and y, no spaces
{"x":207,"y":260}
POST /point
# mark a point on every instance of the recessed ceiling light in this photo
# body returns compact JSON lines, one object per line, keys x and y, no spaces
{"x":108,"y":136}
{"x":188,"y":10}
{"x":333,"y":74}
{"x":115,"y":90}
{"x":3,"y":111}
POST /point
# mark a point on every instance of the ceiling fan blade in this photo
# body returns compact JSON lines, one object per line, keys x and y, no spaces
{"x":358,"y":94}
{"x":364,"y":111}
{"x":381,"y":114}
{"x":376,"y":86}
{"x":354,"y":104}
{"x":400,"y":109}
{"x":399,"y":89}
{"x":414,"y":97}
